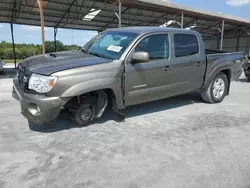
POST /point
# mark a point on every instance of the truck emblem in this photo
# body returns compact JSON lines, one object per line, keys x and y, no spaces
{"x":139,"y":86}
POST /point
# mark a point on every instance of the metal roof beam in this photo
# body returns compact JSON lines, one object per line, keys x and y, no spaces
{"x":67,"y":11}
{"x":20,"y":8}
{"x":50,"y":22}
{"x":13,"y":12}
{"x":81,"y":15}
{"x":113,"y":19}
{"x":105,"y":11}
{"x":127,"y":22}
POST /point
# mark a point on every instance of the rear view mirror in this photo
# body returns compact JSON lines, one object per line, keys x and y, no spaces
{"x":140,"y":57}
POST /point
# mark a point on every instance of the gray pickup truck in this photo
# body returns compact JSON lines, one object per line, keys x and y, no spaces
{"x":123,"y":67}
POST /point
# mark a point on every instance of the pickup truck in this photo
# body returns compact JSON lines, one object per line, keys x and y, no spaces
{"x":123,"y":67}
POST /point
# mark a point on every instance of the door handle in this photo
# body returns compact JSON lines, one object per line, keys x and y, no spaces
{"x":198,"y":64}
{"x":167,"y":68}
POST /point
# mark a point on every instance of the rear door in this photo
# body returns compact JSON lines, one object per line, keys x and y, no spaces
{"x":147,"y":81}
{"x":188,"y":64}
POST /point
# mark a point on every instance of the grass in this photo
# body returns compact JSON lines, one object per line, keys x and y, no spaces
{"x":5,"y":61}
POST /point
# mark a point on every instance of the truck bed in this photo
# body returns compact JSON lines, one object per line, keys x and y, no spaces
{"x":218,"y":57}
{"x":211,"y":51}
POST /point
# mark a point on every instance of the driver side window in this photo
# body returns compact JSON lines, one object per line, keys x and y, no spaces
{"x":157,"y":46}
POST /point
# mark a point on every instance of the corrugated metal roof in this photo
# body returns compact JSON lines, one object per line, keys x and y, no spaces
{"x":189,"y":11}
{"x":70,"y":14}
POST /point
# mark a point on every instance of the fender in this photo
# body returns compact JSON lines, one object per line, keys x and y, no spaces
{"x":98,"y":84}
{"x":215,"y":69}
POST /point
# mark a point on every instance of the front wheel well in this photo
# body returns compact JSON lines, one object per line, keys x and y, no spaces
{"x":75,"y":101}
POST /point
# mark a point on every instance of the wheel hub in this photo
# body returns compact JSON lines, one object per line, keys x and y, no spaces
{"x":218,"y":88}
{"x":86,"y":115}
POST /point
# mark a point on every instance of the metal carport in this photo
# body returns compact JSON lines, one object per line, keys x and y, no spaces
{"x":103,"y":14}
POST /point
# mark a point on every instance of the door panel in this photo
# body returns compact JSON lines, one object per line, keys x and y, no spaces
{"x":187,"y":74}
{"x":188,"y":64}
{"x":147,"y":81}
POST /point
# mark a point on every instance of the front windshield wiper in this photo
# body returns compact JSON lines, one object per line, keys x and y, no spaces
{"x":84,"y":50}
{"x":95,"y":54}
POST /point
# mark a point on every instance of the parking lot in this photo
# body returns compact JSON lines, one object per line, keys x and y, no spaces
{"x":177,"y":142}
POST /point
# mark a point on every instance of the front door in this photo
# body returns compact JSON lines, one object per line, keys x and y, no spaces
{"x":147,"y":81}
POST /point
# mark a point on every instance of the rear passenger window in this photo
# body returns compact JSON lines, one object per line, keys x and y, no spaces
{"x":185,"y":45}
{"x":157,"y":46}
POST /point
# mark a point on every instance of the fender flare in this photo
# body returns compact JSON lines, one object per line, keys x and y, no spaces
{"x":97,"y":84}
{"x":216,"y":71}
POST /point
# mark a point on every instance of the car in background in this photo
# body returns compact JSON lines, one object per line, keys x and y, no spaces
{"x":1,"y":66}
{"x":246,"y":68}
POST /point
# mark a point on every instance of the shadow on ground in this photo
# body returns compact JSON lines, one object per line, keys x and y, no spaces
{"x":242,"y":80}
{"x":64,"y":122}
{"x":8,"y":73}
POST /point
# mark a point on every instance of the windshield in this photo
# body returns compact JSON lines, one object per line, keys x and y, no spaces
{"x":110,"y":44}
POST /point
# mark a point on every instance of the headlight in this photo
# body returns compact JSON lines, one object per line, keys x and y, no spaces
{"x":42,"y":84}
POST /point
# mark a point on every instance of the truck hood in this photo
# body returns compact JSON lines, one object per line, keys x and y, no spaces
{"x":59,"y":61}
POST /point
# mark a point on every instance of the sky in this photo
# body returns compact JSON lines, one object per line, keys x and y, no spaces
{"x":32,"y":34}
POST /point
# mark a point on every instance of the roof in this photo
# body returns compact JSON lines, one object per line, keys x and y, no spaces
{"x":204,"y":14}
{"x":100,"y":15}
{"x":148,"y":29}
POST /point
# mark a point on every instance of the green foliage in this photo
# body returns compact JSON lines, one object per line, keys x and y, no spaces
{"x":26,"y":50}
{"x":5,"y":61}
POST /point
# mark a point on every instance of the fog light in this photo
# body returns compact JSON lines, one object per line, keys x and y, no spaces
{"x":34,"y":110}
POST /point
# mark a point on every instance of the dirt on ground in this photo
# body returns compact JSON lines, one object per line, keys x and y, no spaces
{"x":177,"y":142}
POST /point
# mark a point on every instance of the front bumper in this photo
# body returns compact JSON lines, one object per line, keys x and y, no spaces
{"x":38,"y":108}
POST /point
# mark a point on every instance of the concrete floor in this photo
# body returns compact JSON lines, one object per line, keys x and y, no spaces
{"x":178,"y":142}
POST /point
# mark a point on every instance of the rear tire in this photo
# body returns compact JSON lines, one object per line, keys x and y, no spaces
{"x":217,"y":90}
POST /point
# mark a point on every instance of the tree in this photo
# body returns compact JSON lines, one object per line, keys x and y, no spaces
{"x":50,"y":46}
{"x":26,"y":50}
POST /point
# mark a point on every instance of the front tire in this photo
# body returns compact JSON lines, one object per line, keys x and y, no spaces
{"x":217,"y":90}
{"x":85,"y":114}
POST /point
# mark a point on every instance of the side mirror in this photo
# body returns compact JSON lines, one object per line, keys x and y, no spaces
{"x":140,"y":57}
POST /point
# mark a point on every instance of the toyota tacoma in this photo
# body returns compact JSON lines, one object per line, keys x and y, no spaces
{"x":123,"y":67}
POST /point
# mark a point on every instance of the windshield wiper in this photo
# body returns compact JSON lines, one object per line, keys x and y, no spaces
{"x":99,"y":55}
{"x":84,"y":50}
{"x":95,"y":54}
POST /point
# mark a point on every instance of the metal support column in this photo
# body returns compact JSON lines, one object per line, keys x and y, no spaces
{"x":238,"y":40}
{"x":182,"y":19}
{"x":40,"y":4}
{"x":13,"y":43}
{"x":222,"y":35}
{"x":218,"y":42}
{"x":120,"y":13}
{"x":55,"y":33}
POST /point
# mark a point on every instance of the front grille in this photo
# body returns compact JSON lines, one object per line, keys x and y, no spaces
{"x":23,"y":77}
{"x":20,"y":74}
